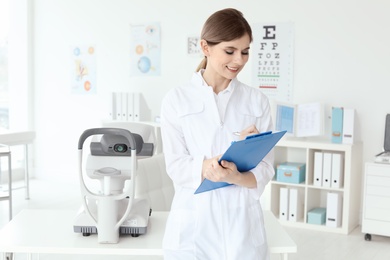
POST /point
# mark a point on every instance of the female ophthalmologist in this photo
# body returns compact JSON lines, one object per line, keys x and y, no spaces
{"x":198,"y":122}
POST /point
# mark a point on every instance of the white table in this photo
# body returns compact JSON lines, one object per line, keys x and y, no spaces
{"x":51,"y":232}
{"x":279,"y":241}
{"x":25,"y":138}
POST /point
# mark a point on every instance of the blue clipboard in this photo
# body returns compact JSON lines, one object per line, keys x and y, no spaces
{"x":246,"y":154}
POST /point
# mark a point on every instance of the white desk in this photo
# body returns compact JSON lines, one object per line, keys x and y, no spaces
{"x":279,"y":241}
{"x":19,"y":138}
{"x":51,"y":232}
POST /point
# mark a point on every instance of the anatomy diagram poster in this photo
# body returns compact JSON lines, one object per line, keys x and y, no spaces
{"x":83,"y":70}
{"x":273,"y":60}
{"x":145,"y":50}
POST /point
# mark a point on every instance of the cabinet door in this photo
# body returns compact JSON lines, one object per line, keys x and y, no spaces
{"x":377,"y":192}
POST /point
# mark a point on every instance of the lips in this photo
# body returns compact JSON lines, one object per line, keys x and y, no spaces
{"x":232,"y":69}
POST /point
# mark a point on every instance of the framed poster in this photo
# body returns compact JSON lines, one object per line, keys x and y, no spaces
{"x":145,"y":50}
{"x":273,"y":60}
{"x":83,"y":69}
{"x":193,"y":45}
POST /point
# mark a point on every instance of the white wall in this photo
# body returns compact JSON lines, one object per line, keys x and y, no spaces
{"x":341,"y":59}
{"x":19,"y":61}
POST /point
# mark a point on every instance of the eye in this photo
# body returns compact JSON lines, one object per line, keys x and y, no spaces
{"x":228,"y":52}
{"x":245,"y":53}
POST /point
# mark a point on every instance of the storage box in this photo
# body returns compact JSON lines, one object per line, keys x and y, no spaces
{"x":316,"y":216}
{"x":291,"y":172}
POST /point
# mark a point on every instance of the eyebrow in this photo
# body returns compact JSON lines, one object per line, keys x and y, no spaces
{"x":231,"y":47}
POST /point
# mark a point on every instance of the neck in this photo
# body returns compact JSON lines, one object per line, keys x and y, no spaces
{"x":217,"y":82}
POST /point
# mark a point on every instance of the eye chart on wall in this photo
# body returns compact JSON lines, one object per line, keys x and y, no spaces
{"x":273,"y":60}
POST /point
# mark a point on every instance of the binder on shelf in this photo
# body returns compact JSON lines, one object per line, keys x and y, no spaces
{"x":118,"y":105}
{"x":327,"y":170}
{"x":318,"y":162}
{"x":337,"y":170}
{"x":124,"y":106}
{"x":137,"y":106}
{"x":130,"y":106}
{"x":348,"y":125}
{"x":112,"y":107}
{"x":295,"y":207}
{"x":141,"y":108}
{"x":246,"y":154}
{"x":337,"y":124}
{"x":333,"y":210}
{"x":283,"y":204}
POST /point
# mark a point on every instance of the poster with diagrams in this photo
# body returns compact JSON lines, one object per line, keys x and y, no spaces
{"x":145,"y":50}
{"x":273,"y":60}
{"x":83,"y":69}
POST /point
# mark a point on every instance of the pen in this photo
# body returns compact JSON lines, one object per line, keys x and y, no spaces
{"x":237,"y":133}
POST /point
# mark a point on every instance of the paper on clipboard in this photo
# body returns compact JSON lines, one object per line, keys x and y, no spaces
{"x":246,"y":154}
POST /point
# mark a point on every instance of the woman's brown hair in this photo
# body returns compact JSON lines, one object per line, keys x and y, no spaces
{"x":223,"y":26}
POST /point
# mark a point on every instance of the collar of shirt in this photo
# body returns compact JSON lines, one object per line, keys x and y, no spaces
{"x":222,"y":98}
{"x":229,"y":88}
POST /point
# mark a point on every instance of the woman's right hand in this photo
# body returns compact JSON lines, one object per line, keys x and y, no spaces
{"x":251,"y":130}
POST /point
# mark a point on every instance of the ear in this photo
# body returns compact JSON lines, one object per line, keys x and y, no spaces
{"x":204,"y":46}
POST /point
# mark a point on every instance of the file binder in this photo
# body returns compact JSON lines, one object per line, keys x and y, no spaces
{"x":295,"y":206}
{"x":124,"y":106}
{"x":327,"y":170}
{"x":283,"y":204}
{"x":337,"y":170}
{"x":337,"y":124}
{"x":130,"y":106}
{"x":333,"y":210}
{"x":118,"y":105}
{"x":112,"y":106}
{"x":348,"y":125}
{"x":137,"y":106}
{"x":318,"y":159}
{"x":246,"y":154}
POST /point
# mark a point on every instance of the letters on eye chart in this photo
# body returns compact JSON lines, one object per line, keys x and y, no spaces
{"x":273,"y":60}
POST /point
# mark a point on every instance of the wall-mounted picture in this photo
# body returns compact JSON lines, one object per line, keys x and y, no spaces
{"x":193,"y":45}
{"x":145,"y":50}
{"x":83,"y":69}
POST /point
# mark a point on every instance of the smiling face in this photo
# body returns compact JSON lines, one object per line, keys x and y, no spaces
{"x":226,"y":59}
{"x":225,"y":40}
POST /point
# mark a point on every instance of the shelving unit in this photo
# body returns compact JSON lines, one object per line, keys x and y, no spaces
{"x":302,"y":151}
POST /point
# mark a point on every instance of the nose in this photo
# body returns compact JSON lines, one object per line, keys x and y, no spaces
{"x":240,"y":59}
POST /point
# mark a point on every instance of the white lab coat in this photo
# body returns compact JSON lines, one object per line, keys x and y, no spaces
{"x":225,"y":223}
